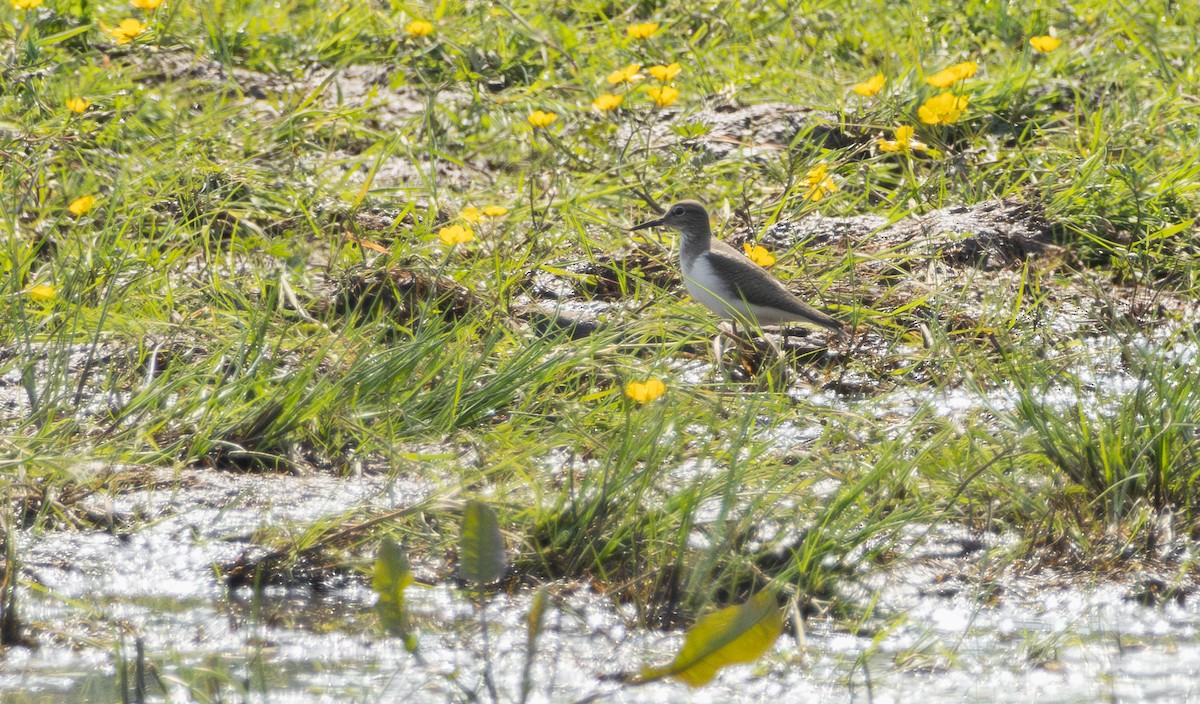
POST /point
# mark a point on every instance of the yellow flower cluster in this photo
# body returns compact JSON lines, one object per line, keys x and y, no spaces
{"x":645,"y":391}
{"x":25,"y":4}
{"x":146,"y":5}
{"x":78,"y":105}
{"x":662,"y":94}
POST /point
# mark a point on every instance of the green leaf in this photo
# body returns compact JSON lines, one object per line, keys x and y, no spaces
{"x":733,"y":635}
{"x":481,"y":548}
{"x":50,"y":39}
{"x":392,"y":576}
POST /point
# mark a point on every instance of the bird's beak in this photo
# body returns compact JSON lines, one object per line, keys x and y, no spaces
{"x":643,"y":226}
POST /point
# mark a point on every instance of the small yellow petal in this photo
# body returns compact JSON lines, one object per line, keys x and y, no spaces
{"x":871,"y":86}
{"x":629,"y":74}
{"x":943,"y":108}
{"x":128,"y":30}
{"x":42,"y":293}
{"x":642,"y":31}
{"x":542,"y":119}
{"x":645,"y":391}
{"x":147,"y":5}
{"x":1044,"y":44}
{"x":607,"y":102}
{"x":470,"y":214}
{"x":419,"y":28}
{"x":25,"y":4}
{"x":78,"y":105}
{"x":949,"y":76}
{"x":759,"y":255}
{"x":455,"y":234}
{"x":495,"y":211}
{"x":664,"y":73}
{"x":81,"y":205}
{"x":663,"y":95}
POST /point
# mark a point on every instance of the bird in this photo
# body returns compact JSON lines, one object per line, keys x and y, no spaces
{"x":726,"y":281}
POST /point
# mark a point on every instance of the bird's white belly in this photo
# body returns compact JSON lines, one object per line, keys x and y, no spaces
{"x":703,"y":284}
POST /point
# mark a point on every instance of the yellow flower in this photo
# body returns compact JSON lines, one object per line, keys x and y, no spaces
{"x":818,"y":183}
{"x":871,"y":86}
{"x":759,"y":255}
{"x":42,"y":293}
{"x":645,"y":391}
{"x":78,"y":104}
{"x":495,"y":211}
{"x":127,"y":31}
{"x":663,"y":95}
{"x":949,"y":76}
{"x":419,"y":28}
{"x":81,"y":205}
{"x":944,"y":108}
{"x":642,"y":31}
{"x":542,"y":119}
{"x":470,"y":214}
{"x":903,"y":142}
{"x":1044,"y":44}
{"x":147,"y":5}
{"x":25,"y":4}
{"x":664,"y":73}
{"x":455,"y":234}
{"x":629,"y":74}
{"x":607,"y":102}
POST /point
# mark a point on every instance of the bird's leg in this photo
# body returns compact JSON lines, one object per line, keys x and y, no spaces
{"x":718,"y":350}
{"x":775,"y":349}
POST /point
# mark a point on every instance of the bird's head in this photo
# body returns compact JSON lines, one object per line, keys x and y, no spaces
{"x":687,"y":216}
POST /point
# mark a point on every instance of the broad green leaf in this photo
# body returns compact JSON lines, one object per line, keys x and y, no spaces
{"x":733,"y":635}
{"x":392,"y":576}
{"x":481,"y":557}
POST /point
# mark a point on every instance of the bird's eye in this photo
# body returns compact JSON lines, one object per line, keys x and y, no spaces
{"x":677,"y":211}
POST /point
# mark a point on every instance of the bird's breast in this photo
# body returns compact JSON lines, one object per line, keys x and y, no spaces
{"x":703,"y":284}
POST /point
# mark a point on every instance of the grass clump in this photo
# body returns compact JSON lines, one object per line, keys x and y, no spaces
{"x":1130,"y":448}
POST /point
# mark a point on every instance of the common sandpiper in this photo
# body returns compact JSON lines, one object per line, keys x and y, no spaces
{"x":726,"y":281}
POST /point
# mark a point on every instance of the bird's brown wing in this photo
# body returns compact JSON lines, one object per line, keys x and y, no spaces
{"x":746,"y":280}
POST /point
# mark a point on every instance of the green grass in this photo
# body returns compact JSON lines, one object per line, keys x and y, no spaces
{"x":200,"y":311}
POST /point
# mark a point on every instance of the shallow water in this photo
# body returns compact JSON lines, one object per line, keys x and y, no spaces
{"x":940,"y":631}
{"x":946,"y":626}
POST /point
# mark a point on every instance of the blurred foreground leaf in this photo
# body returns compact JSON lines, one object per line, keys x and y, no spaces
{"x":481,"y":548}
{"x":733,"y":635}
{"x":392,"y":576}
